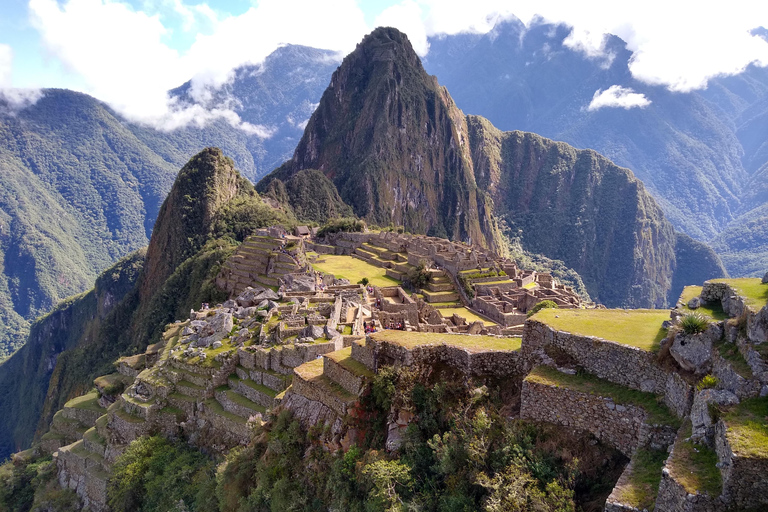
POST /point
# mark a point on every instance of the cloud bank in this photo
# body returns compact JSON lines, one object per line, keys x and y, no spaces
{"x":131,"y":57}
{"x":618,"y":97}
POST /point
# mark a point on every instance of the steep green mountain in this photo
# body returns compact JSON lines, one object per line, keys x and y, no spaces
{"x":394,"y":144}
{"x":80,"y":187}
{"x":399,"y":151}
{"x":199,"y":225}
{"x":77,"y":191}
{"x":311,"y":195}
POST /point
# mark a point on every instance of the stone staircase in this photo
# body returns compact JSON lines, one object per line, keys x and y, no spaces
{"x":440,"y":288}
{"x":258,"y":260}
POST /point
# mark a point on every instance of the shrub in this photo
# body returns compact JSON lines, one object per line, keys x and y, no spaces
{"x":417,"y":277}
{"x":707,"y":382}
{"x":694,"y":323}
{"x":545,"y":304}
{"x":345,"y":224}
{"x":364,"y":281}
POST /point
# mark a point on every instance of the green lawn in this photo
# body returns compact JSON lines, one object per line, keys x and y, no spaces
{"x":347,"y":267}
{"x":640,"y":489}
{"x":713,"y":310}
{"x":477,"y":343}
{"x":748,"y":428}
{"x":466,"y":313}
{"x":693,"y":466}
{"x":755,"y":292}
{"x":88,"y":401}
{"x":658,"y":413}
{"x":639,"y":328}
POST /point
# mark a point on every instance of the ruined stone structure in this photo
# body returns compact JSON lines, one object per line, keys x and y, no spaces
{"x":213,"y":375}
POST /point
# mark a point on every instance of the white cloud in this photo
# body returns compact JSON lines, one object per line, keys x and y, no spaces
{"x":406,"y":17}
{"x":124,"y":58}
{"x":618,"y":96}
{"x":10,"y":98}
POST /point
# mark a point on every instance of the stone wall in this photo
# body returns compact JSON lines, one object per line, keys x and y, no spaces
{"x":312,"y":412}
{"x":745,"y":485}
{"x":620,"y":425}
{"x":487,"y":363}
{"x":84,"y":476}
{"x":621,"y":364}
{"x":343,"y":377}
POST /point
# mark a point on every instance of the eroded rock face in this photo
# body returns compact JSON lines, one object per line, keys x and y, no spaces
{"x":701,"y":420}
{"x":693,"y":352}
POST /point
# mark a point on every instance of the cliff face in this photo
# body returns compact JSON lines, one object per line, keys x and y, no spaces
{"x":394,"y":144}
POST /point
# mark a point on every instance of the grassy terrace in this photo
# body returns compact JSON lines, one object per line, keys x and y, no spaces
{"x":466,"y":313}
{"x":411,"y":340}
{"x":639,"y":328}
{"x":658,"y":413}
{"x":713,"y":310}
{"x":755,"y":293}
{"x":640,"y":488}
{"x":347,"y":267}
{"x":89,"y":401}
{"x":730,"y":352}
{"x":693,"y":466}
{"x":748,"y":428}
{"x":344,"y":358}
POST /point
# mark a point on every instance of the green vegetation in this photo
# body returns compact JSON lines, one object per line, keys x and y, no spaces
{"x":714,"y":310}
{"x":694,"y":323}
{"x":545,"y":304}
{"x":89,"y":401}
{"x":469,"y":315}
{"x":747,"y":427}
{"x":417,"y":277}
{"x":694,"y":465}
{"x":730,"y":352}
{"x":658,"y":413}
{"x":346,"y":224}
{"x":707,"y":382}
{"x":312,"y":196}
{"x":154,"y":474}
{"x":347,"y":267}
{"x":752,"y":289}
{"x":640,"y":489}
{"x":639,"y":328}
{"x":412,"y":340}
{"x":31,"y":484}
{"x":344,"y":358}
{"x":461,"y":455}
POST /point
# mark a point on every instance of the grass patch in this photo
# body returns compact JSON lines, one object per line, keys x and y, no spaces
{"x":217,"y":409}
{"x":92,"y":436}
{"x":470,"y":316}
{"x":714,"y":310}
{"x":182,"y":397}
{"x":477,"y":343}
{"x":693,"y":465}
{"x":639,"y":328}
{"x":748,"y":428}
{"x":258,"y":387}
{"x":730,"y":352}
{"x":584,"y":382}
{"x":89,"y":401}
{"x":310,"y":370}
{"x":640,"y":489}
{"x":130,"y":418}
{"x":344,"y":358}
{"x":347,"y":267}
{"x":346,"y":330}
{"x":752,"y":289}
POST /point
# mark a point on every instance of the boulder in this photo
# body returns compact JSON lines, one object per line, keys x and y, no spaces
{"x":331,"y":333}
{"x":267,"y":294}
{"x":243,"y":313}
{"x":248,"y":297}
{"x":475,"y":327}
{"x":216,"y":344}
{"x":314,"y":332}
{"x":701,"y":421}
{"x":217,"y":328}
{"x":299,"y":282}
{"x":693,"y":352}
{"x":694,"y":303}
{"x":230,"y":304}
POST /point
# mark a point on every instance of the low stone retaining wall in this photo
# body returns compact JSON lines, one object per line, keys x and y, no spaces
{"x":672,"y":497}
{"x":494,"y":363}
{"x":343,"y":377}
{"x":744,"y":479}
{"x":621,"y":364}
{"x":317,"y":393}
{"x":312,"y":412}
{"x":620,"y":425}
{"x":84,"y":476}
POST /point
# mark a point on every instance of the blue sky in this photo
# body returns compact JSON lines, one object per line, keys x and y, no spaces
{"x":130,"y":52}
